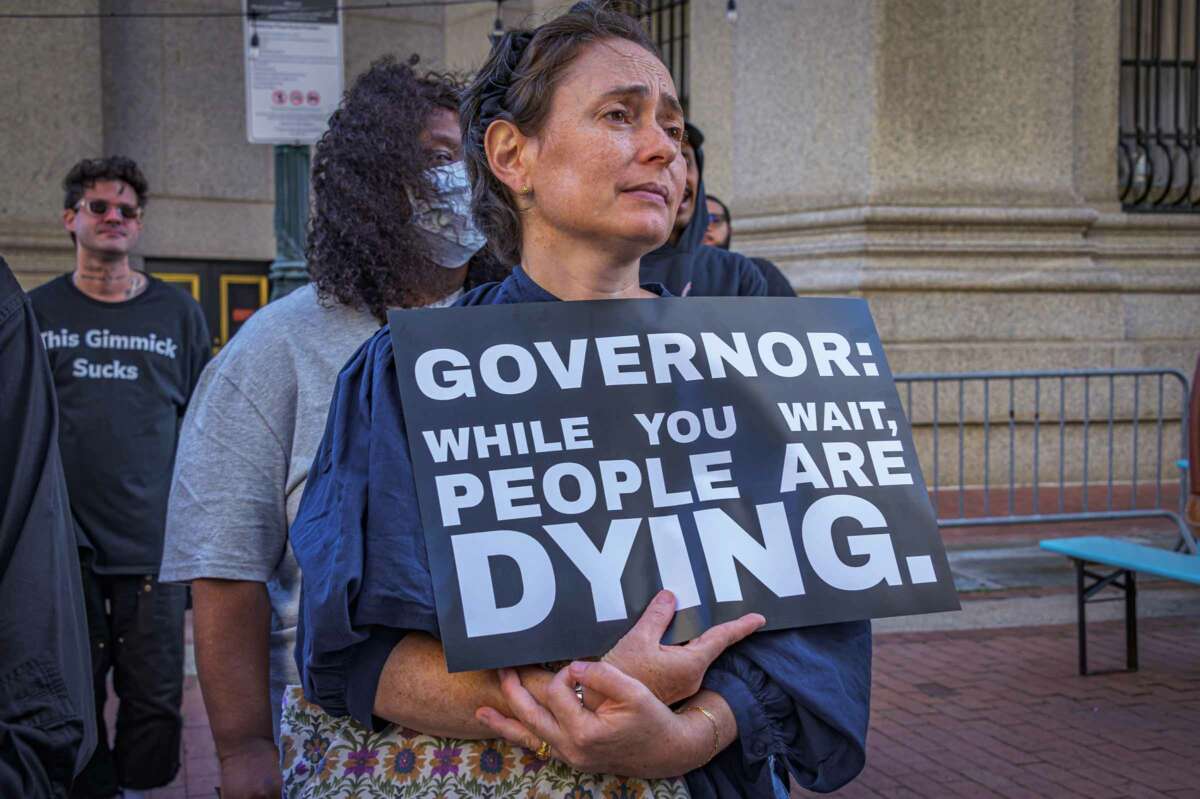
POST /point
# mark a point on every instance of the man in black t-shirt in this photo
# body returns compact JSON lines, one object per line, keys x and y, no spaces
{"x":125,"y":350}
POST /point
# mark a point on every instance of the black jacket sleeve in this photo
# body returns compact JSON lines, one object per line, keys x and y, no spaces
{"x":47,"y":720}
{"x":777,"y":283}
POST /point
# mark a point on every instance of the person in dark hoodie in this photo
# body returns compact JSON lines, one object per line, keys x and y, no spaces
{"x":47,"y":722}
{"x":720,"y":233}
{"x":684,"y":265}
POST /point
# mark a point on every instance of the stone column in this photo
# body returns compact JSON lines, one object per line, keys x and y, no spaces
{"x":401,"y":32}
{"x":711,"y":97}
{"x":955,"y":164}
{"x":53,"y":117}
{"x":174,"y":101}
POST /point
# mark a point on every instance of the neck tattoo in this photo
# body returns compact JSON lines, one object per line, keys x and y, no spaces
{"x":135,"y":279}
{"x":135,"y":285}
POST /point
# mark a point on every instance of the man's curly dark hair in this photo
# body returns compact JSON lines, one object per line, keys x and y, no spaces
{"x":115,"y":167}
{"x":361,"y":249}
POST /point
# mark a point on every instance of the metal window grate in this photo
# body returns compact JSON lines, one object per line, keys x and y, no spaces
{"x":1158,"y":155}
{"x":667,"y":23}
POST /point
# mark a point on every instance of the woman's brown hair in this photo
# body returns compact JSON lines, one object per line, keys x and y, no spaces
{"x":516,"y":84}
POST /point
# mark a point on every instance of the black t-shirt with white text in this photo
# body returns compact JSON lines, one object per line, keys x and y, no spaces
{"x":123,"y":372}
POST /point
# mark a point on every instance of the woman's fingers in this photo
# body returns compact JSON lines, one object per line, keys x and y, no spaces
{"x":510,"y":730}
{"x":654,"y":620}
{"x":528,"y":711}
{"x":609,"y":681}
{"x":563,"y":702}
{"x":535,"y":679}
{"x":716,"y":640}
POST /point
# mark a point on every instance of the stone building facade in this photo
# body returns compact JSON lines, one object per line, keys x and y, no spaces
{"x":952,"y":162}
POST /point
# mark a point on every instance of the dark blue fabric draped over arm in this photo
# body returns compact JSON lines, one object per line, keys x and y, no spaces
{"x":357,"y":537}
{"x":802,"y":702}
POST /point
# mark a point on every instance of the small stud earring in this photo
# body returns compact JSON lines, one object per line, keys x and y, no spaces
{"x":526,"y":189}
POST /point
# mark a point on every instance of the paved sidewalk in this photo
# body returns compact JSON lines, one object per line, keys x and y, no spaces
{"x":995,"y":712}
{"x":986,"y":702}
{"x":1002,"y":712}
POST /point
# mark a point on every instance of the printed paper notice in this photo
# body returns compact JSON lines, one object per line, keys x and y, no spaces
{"x":293,"y":69}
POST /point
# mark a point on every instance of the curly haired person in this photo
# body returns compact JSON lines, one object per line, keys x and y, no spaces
{"x":389,"y":229}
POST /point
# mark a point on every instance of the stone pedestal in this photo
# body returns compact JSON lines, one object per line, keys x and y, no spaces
{"x":955,"y":164}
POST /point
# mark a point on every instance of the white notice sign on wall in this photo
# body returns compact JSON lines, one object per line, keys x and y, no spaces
{"x":293,"y":69}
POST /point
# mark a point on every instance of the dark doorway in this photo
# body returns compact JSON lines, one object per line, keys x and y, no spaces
{"x":228,"y":291}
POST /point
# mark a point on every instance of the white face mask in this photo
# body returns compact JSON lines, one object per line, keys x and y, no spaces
{"x":446,"y":223}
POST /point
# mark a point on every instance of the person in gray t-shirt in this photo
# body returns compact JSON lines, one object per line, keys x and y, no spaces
{"x":258,"y":413}
{"x":247,"y":442}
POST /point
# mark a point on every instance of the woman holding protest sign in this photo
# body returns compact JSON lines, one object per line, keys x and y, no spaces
{"x":572,"y":138}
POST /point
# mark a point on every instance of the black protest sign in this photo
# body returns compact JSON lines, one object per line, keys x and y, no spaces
{"x":572,"y":459}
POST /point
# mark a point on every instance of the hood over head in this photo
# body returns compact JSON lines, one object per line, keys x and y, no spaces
{"x":670,"y":264}
{"x":690,"y":267}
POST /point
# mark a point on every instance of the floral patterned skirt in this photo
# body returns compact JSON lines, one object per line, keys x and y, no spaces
{"x":324,"y":757}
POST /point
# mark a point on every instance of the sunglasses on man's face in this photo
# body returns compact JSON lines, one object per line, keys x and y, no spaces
{"x":100,"y":208}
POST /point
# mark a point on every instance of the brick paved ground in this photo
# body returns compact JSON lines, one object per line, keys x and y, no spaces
{"x":199,"y":775}
{"x":1003,"y":713}
{"x":983,"y":713}
{"x":990,"y":712}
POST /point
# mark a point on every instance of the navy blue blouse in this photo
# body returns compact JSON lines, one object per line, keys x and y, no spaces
{"x":801,"y":697}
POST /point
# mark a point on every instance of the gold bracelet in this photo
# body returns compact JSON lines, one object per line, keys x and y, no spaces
{"x":716,"y":747}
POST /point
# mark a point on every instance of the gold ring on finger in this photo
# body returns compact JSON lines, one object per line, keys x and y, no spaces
{"x":543,"y":751}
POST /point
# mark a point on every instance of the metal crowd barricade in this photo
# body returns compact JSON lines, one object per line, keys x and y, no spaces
{"x":1028,"y":447}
